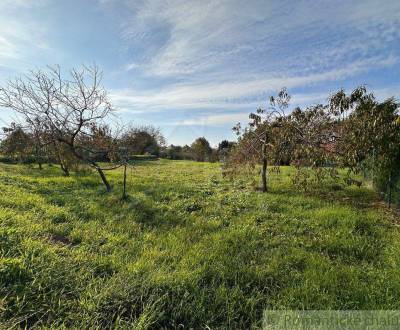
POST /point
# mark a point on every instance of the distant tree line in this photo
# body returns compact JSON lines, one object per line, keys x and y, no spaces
{"x":18,"y":145}
{"x":200,"y":150}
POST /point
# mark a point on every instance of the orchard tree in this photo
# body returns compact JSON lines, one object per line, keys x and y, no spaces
{"x":273,"y":137}
{"x":61,"y":154}
{"x":35,"y":138}
{"x":257,"y":139}
{"x":370,"y":135}
{"x":17,"y":144}
{"x":313,"y":135}
{"x":68,"y":107}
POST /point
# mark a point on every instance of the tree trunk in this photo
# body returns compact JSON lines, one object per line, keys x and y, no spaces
{"x":38,"y":156}
{"x":264,"y":168}
{"x":39,"y":159}
{"x":390,"y":191}
{"x":64,"y":169}
{"x":104,"y":179}
{"x":93,"y":164}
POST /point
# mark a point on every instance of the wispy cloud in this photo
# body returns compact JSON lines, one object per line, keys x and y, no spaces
{"x":229,"y":37}
{"x":7,"y":49}
{"x":215,"y":120}
{"x":17,"y":4}
{"x":233,"y":94}
{"x":19,"y":39}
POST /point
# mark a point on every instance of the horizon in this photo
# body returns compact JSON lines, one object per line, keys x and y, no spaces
{"x":196,"y":69}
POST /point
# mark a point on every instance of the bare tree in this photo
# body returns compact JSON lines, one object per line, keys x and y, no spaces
{"x":68,"y":108}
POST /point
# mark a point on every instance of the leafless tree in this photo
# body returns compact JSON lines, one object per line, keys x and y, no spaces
{"x":70,"y":109}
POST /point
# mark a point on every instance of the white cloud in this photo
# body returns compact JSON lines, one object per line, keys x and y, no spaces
{"x":16,"y":4}
{"x":215,"y":120}
{"x":228,"y":56}
{"x":222,"y":37}
{"x":231,"y":118}
{"x":235,"y":94}
{"x":20,"y":38}
{"x":387,"y":92}
{"x":7,"y":49}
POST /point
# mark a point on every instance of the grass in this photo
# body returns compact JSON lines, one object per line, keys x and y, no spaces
{"x":187,"y":248}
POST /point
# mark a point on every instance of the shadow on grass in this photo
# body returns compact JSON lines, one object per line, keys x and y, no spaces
{"x":336,"y":193}
{"x":31,"y":170}
{"x":146,"y":162}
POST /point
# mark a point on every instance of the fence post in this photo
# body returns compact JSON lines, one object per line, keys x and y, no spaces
{"x":124,"y":193}
{"x":390,"y":190}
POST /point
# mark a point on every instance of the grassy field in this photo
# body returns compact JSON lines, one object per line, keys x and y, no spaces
{"x":188,"y":249}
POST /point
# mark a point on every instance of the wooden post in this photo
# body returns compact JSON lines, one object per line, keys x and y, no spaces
{"x":264,"y":165}
{"x":124,"y":196}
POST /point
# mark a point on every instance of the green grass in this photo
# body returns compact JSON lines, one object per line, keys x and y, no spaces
{"x":187,"y":248}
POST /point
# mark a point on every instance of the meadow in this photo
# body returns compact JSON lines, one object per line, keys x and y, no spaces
{"x":187,"y":249}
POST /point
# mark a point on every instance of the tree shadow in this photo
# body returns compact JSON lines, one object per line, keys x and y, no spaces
{"x":147,"y":162}
{"x":31,"y":170}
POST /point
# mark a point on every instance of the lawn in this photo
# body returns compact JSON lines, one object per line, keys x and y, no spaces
{"x":187,"y":249}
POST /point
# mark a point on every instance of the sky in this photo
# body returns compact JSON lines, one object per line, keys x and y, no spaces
{"x":196,"y":68}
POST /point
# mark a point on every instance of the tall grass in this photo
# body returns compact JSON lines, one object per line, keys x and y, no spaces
{"x":186,"y":249}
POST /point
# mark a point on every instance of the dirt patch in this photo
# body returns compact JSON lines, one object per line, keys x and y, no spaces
{"x":59,"y":239}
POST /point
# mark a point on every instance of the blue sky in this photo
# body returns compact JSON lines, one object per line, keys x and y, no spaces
{"x":195,"y":68}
